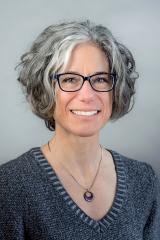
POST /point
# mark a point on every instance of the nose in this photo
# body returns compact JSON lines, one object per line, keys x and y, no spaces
{"x":86,"y":93}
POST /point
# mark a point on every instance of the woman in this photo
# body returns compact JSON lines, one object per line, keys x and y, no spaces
{"x":77,"y":77}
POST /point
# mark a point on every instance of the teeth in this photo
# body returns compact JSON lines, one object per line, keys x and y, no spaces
{"x":90,"y":113}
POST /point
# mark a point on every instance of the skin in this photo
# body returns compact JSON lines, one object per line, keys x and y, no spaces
{"x":75,"y":144}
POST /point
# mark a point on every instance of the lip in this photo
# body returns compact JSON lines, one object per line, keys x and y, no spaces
{"x":88,"y":113}
{"x":85,"y":110}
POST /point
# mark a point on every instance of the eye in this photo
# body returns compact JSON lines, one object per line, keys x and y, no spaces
{"x":101,"y":80}
{"x":69,"y":80}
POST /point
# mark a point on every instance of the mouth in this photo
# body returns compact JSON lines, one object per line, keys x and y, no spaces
{"x":85,"y":113}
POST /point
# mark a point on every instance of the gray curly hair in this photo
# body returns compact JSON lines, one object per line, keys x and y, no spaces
{"x":51,"y":50}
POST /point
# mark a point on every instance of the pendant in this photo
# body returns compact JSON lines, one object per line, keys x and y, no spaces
{"x":88,"y":196}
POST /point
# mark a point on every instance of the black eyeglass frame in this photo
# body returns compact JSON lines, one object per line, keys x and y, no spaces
{"x":85,"y":78}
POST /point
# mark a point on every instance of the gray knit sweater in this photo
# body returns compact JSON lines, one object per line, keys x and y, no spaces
{"x":34,"y":204}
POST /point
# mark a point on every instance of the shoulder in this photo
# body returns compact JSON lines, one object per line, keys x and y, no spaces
{"x":17,"y":165}
{"x":139,"y":169}
{"x":140,"y":176}
{"x":16,"y":173}
{"x":21,"y":179}
{"x":141,"y":179}
{"x":136,"y":167}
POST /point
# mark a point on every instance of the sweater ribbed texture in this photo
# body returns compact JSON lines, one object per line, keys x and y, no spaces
{"x":35,"y":205}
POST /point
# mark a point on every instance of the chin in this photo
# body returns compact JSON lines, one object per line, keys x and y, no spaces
{"x":85,"y":132}
{"x":80,"y":130}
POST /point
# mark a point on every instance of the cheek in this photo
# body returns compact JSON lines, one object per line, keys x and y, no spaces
{"x":108,"y":103}
{"x":58,"y":103}
{"x":62,"y":100}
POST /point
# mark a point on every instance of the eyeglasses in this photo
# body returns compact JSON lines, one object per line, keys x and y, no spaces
{"x":72,"y":82}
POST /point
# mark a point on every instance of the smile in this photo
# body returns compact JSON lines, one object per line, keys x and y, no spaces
{"x":85,"y":113}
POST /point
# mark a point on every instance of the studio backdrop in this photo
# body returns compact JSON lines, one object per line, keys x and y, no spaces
{"x":134,"y":23}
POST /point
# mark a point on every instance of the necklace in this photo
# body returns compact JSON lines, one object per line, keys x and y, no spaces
{"x":88,"y":195}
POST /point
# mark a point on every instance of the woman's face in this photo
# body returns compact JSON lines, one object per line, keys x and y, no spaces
{"x":86,"y":59}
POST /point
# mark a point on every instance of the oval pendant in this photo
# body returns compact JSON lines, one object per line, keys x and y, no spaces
{"x":88,"y":196}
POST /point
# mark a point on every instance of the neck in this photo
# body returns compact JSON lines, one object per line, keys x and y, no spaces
{"x":80,"y":155}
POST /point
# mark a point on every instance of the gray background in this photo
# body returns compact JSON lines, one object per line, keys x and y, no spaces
{"x":134,"y":23}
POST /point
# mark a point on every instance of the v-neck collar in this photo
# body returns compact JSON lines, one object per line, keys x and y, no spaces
{"x":98,"y":225}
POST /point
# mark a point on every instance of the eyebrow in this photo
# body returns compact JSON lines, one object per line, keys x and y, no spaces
{"x":94,"y":73}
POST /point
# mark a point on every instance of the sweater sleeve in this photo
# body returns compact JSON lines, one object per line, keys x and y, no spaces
{"x":11,"y":214}
{"x":152,"y":227}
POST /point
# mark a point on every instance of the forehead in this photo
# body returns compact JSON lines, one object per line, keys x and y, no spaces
{"x":87,"y":58}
